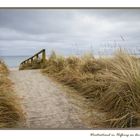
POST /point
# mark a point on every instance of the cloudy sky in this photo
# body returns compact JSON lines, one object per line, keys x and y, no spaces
{"x":24,"y":32}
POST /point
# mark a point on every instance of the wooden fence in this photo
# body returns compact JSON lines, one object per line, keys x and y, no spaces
{"x":36,"y":61}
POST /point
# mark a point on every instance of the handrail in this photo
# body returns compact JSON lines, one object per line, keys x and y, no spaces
{"x":31,"y":59}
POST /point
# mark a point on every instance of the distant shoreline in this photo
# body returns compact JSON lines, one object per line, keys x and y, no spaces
{"x":13,"y":61}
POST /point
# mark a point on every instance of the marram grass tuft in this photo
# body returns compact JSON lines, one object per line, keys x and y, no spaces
{"x":11,"y":113}
{"x":112,"y":84}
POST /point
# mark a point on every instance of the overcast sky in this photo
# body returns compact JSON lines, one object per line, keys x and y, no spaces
{"x":24,"y":32}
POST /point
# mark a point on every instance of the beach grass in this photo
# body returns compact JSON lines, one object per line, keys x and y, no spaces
{"x":11,"y":113}
{"x":112,"y":84}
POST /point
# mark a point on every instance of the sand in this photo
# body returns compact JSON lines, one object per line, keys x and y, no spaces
{"x":46,"y":103}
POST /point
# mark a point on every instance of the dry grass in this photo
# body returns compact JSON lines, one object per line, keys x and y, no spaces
{"x":121,"y":99}
{"x":3,"y":68}
{"x":113,"y":84}
{"x":11,"y":114}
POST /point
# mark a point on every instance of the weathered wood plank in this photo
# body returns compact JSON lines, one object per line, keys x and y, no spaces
{"x":36,"y":57}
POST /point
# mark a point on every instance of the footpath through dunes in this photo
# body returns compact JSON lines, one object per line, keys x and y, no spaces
{"x":46,"y":103}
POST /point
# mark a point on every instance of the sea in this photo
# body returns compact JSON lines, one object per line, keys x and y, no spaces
{"x":13,"y":61}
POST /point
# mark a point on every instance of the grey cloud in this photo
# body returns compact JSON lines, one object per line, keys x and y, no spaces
{"x":67,"y":31}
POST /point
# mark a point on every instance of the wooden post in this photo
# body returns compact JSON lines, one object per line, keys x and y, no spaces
{"x":43,"y":56}
{"x":31,"y":60}
{"x":37,"y":56}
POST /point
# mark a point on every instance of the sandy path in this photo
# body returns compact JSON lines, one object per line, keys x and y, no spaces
{"x":45,"y":102}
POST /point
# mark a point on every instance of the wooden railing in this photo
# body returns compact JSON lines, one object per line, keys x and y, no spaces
{"x":32,"y":62}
